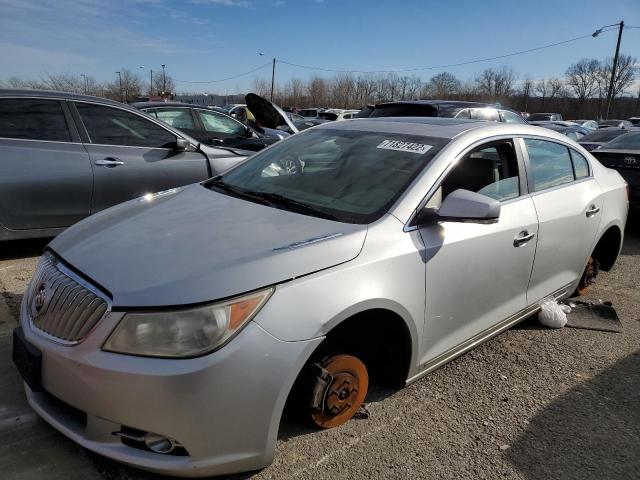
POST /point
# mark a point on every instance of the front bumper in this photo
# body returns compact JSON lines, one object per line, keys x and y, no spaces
{"x":224,"y":408}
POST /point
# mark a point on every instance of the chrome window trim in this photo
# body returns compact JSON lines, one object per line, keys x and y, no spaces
{"x":408,"y":228}
{"x":35,"y":140}
{"x":83,"y":283}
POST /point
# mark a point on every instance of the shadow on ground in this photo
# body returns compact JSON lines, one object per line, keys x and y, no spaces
{"x":15,"y":249}
{"x":592,"y":432}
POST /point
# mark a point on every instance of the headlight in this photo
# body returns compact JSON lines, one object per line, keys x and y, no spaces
{"x":184,"y":333}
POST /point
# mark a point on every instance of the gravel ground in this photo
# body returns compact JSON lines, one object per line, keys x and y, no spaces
{"x":532,"y":403}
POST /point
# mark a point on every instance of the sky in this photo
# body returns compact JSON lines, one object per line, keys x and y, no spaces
{"x":205,"y":40}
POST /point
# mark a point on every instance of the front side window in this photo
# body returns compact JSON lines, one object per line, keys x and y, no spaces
{"x":491,"y":170}
{"x":179,"y":118}
{"x":218,"y":123}
{"x":33,"y":119}
{"x":112,"y":126}
{"x":550,"y":163}
{"x":349,"y":176}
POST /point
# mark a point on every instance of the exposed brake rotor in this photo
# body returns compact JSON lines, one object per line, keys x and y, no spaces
{"x":339,"y":389}
{"x":589,"y":276}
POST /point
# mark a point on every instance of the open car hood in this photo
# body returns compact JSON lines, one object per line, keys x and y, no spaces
{"x":267,"y":114}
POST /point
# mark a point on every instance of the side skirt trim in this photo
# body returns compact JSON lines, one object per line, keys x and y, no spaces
{"x":482,"y":337}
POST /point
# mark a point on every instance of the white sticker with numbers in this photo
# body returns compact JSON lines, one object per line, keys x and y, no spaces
{"x":411,"y":147}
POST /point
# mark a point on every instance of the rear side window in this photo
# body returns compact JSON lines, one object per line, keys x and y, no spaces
{"x":112,"y":126}
{"x":487,"y":114}
{"x":550,"y":162}
{"x":33,"y":119}
{"x":580,"y":165}
{"x":510,"y":117}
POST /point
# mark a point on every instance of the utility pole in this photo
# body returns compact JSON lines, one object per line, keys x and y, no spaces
{"x":150,"y":82}
{"x":120,"y":78}
{"x":273,"y":76}
{"x":164,"y":81}
{"x":613,"y":71}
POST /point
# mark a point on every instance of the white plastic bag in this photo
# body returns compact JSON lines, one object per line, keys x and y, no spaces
{"x":552,"y":315}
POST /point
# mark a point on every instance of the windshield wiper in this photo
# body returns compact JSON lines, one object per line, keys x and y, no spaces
{"x":290,"y":204}
{"x":270,"y":198}
{"x":236,"y":192}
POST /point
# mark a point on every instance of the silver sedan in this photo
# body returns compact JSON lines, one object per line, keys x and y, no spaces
{"x":169,"y":331}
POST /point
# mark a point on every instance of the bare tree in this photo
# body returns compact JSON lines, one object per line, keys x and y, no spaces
{"x":582,"y":78}
{"x":496,"y":83}
{"x":525,"y":92}
{"x":625,"y":73}
{"x":443,"y":85}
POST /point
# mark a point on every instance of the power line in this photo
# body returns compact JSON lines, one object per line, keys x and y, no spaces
{"x":228,"y":78}
{"x":438,"y":67}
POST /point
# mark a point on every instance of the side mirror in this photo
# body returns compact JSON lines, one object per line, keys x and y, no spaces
{"x":248,"y":132}
{"x":464,"y":205}
{"x":182,"y":145}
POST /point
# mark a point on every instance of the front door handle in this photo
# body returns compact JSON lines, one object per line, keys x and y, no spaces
{"x":109,"y":162}
{"x":592,"y":211}
{"x":523,"y":238}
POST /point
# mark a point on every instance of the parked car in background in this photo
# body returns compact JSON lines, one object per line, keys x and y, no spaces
{"x":623,"y":154}
{"x":198,"y":313}
{"x":338,"y":114}
{"x":573,"y":131}
{"x":211,"y":126}
{"x":537,"y":117}
{"x":635,"y":121}
{"x":615,"y":123}
{"x":64,"y":157}
{"x":446,"y":108}
{"x":590,"y":124}
{"x":310,"y":112}
{"x":600,"y":137}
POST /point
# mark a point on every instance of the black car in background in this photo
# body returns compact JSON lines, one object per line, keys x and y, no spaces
{"x":210,"y":126}
{"x":545,"y":117}
{"x":600,"y":137}
{"x":444,"y":108}
{"x":574,"y":132}
{"x":623,"y":154}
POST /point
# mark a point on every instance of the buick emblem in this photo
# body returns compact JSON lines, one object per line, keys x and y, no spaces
{"x":40,"y":299}
{"x":630,"y":161}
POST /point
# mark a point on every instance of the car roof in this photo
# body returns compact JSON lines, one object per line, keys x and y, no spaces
{"x":28,"y":93}
{"x":440,"y":127}
{"x":143,"y":105}
{"x":448,"y":103}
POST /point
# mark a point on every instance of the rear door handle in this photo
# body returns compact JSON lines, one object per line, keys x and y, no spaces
{"x":592,"y":211}
{"x":109,"y":162}
{"x":523,"y":238}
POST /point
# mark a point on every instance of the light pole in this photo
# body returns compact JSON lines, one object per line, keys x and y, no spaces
{"x":120,"y":78}
{"x":615,"y":62}
{"x":86,"y":83}
{"x":164,"y":81}
{"x":273,"y":74}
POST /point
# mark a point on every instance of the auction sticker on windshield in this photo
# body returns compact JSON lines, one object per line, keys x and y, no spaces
{"x":404,"y":146}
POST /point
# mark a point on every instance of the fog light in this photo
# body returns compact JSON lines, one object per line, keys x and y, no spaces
{"x":158,"y":443}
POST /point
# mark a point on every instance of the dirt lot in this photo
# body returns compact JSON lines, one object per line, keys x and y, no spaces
{"x":530,"y":404}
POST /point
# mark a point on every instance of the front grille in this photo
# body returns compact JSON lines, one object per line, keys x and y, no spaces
{"x":61,"y":304}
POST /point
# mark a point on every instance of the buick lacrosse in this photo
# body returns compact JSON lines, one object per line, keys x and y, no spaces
{"x":169,"y":331}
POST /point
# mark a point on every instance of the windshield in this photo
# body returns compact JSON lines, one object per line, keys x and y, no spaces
{"x":346,"y":175}
{"x":628,"y":141}
{"x":602,"y":135}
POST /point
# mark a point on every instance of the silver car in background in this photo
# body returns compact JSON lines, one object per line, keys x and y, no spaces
{"x":168,"y":332}
{"x":65,"y":156}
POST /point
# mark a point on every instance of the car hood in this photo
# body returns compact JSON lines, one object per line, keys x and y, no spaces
{"x":268,"y":114}
{"x":195,"y":245}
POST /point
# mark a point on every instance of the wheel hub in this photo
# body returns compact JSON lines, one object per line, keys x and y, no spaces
{"x":343,"y":384}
